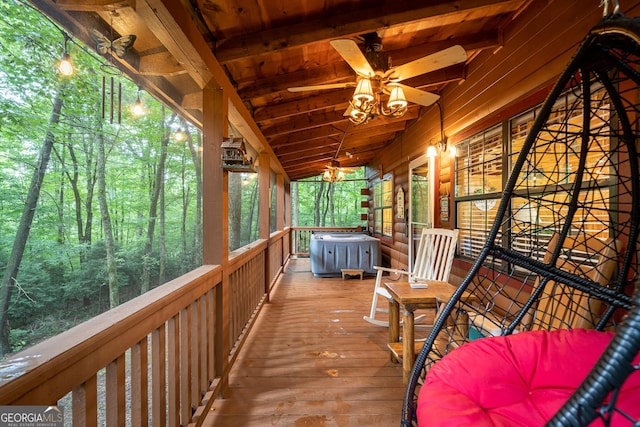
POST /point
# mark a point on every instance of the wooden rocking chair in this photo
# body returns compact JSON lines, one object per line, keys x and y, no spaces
{"x":433,"y":262}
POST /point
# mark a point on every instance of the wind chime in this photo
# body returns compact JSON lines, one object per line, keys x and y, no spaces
{"x":112,"y":95}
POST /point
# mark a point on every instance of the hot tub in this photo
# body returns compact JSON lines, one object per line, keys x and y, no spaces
{"x":332,"y":252}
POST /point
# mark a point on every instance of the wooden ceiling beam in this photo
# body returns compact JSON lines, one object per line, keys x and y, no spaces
{"x":337,"y":72}
{"x":326,"y":150}
{"x":315,"y":102}
{"x":311,"y":121}
{"x":478,"y":41}
{"x":336,"y":131}
{"x":92,"y":5}
{"x":341,"y":72}
{"x":355,"y":23}
{"x":304,"y":122}
{"x":160,"y":64}
{"x":319,"y":160}
{"x":439,"y":77}
{"x":308,"y":136}
{"x":301,"y":150}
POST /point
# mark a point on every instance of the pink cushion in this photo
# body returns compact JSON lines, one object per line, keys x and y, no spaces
{"x":519,"y":380}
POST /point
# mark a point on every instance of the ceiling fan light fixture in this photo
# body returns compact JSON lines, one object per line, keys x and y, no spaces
{"x":364,"y":92}
{"x":397,"y":99}
{"x":358,"y":116}
{"x":333,"y":176}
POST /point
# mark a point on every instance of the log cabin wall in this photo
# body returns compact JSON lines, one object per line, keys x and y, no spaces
{"x":537,"y":45}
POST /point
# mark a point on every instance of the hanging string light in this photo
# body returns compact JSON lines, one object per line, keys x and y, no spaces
{"x":65,"y":67}
{"x":179,"y":135}
{"x":138,"y":107}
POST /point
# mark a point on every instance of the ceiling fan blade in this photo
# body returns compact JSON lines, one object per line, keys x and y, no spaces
{"x":322,"y":87}
{"x":417,"y":96}
{"x":351,"y":53}
{"x":444,"y":58}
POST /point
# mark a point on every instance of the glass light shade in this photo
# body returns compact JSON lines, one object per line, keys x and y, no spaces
{"x":138,"y":108}
{"x":364,"y":91}
{"x":397,"y":99}
{"x":326,"y":176}
{"x":65,"y":67}
{"x":340,"y":176}
{"x":431,"y":151}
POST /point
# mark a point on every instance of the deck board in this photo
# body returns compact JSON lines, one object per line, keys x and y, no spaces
{"x":311,"y":360}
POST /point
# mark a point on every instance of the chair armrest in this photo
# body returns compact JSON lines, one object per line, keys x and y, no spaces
{"x":392,"y":270}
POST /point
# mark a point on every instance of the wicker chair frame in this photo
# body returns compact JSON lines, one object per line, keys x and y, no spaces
{"x":591,"y":117}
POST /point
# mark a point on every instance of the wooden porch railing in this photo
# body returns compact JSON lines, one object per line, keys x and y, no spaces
{"x":178,"y":341}
{"x":301,"y":236}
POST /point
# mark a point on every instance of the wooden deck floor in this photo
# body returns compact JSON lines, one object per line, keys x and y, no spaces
{"x":311,"y":360}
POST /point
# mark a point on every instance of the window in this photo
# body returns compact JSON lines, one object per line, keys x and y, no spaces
{"x":543,"y":182}
{"x":383,"y":207}
{"x":243,"y":209}
{"x":317,"y":203}
{"x":273,"y":223}
{"x":478,"y":188}
{"x":551,"y":167}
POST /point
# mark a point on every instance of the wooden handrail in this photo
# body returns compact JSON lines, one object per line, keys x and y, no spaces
{"x":181,"y":338}
{"x":300,"y":237}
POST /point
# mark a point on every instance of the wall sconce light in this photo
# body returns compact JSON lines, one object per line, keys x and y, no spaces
{"x":442,"y":144}
{"x":431,"y":151}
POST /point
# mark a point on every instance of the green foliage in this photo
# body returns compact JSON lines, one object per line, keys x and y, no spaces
{"x":323,"y":204}
{"x":62,"y":278}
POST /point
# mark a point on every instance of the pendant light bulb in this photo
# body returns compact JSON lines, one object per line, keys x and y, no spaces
{"x":138,"y":107}
{"x":65,"y":66}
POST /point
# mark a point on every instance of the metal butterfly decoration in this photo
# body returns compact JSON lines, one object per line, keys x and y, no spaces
{"x":118,"y":46}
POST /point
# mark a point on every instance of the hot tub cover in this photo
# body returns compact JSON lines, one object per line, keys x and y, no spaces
{"x":516,"y":380}
{"x":332,"y":252}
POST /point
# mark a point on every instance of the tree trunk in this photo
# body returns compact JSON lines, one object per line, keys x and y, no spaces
{"x":112,"y":269}
{"x":235,"y":210}
{"x":26,"y":219}
{"x":332,"y":207}
{"x":153,"y":209}
{"x":73,"y":173}
{"x":161,"y":239}
{"x":326,"y":205}
{"x":294,"y":204}
{"x":316,"y":210}
{"x":197,"y":166}
{"x":254,"y":228}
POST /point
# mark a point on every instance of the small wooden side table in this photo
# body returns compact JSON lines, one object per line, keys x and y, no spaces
{"x":411,"y":299}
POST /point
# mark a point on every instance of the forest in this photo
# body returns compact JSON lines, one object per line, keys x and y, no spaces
{"x":98,"y":203}
{"x":101,"y":201}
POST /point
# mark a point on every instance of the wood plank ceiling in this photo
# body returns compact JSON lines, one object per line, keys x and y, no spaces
{"x":267,"y":46}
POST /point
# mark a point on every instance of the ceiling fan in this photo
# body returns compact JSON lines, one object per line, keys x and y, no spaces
{"x":376,"y":76}
{"x":335,"y":173}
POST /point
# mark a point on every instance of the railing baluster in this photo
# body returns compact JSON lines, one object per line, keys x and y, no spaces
{"x":173,"y":335}
{"x":140,"y":384}
{"x":158,"y":381}
{"x":173,"y":367}
{"x":115,"y":393}
{"x":185,"y":374}
{"x":194,"y":363}
{"x":85,"y":404}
